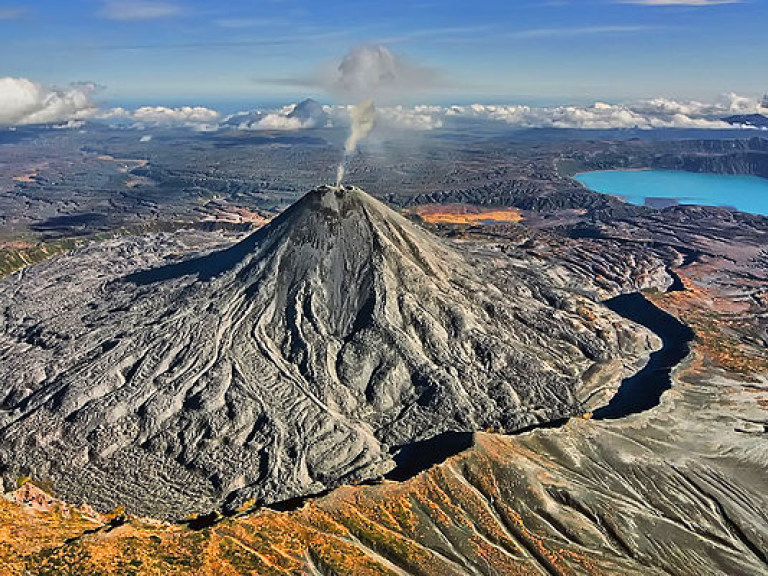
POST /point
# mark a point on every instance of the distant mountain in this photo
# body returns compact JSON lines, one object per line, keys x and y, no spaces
{"x":306,"y":114}
{"x":753,"y":120}
{"x":289,"y":363}
{"x":310,"y":113}
{"x":243,"y":120}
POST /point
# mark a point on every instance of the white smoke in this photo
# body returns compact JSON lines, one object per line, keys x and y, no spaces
{"x":363,"y":117}
{"x":375,"y":72}
{"x":370,"y":73}
{"x":363,"y":120}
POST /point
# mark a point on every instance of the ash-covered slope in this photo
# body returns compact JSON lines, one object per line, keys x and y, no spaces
{"x":291,"y":362}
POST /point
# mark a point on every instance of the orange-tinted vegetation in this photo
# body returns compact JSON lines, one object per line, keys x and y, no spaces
{"x":466,"y":214}
{"x":722,"y":327}
{"x":20,"y":254}
{"x":457,"y":515}
{"x":33,"y":523}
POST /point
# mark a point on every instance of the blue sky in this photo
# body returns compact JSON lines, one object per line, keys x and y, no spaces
{"x":189,"y":51}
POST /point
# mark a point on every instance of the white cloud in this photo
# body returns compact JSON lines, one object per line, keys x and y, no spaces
{"x":306,"y":114}
{"x":727,"y":104}
{"x":415,"y":118}
{"x":599,"y":116}
{"x":290,"y":117}
{"x":25,"y":102}
{"x":656,"y":113}
{"x":276,"y":122}
{"x":198,"y":118}
{"x":130,"y":10}
{"x":184,"y":114}
{"x":644,"y":115}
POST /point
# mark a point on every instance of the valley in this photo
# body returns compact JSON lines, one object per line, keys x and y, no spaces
{"x":576,"y":479}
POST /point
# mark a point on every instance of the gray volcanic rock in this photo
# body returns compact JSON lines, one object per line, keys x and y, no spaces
{"x":290,"y":362}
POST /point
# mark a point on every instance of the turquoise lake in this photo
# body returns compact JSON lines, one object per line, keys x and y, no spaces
{"x":659,"y":188}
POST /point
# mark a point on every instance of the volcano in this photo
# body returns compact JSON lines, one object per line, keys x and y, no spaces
{"x":291,"y":362}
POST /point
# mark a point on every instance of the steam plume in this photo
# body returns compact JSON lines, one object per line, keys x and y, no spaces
{"x":363,"y":118}
{"x":369,"y":72}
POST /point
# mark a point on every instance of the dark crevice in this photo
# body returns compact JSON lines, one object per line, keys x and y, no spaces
{"x":643,"y":390}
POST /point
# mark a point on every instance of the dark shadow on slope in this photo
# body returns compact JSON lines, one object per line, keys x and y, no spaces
{"x":114,"y":523}
{"x":297,"y":502}
{"x":416,"y":457}
{"x":204,"y":267}
{"x":72,"y":224}
{"x":202,"y":521}
{"x":677,"y":282}
{"x":214,"y":264}
{"x":552,"y":424}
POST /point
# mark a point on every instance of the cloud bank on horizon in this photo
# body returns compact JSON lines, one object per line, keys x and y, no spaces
{"x":24,"y":102}
{"x":200,"y":118}
{"x":657,"y":113}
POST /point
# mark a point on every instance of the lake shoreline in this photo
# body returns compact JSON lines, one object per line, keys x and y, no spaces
{"x":660,"y":189}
